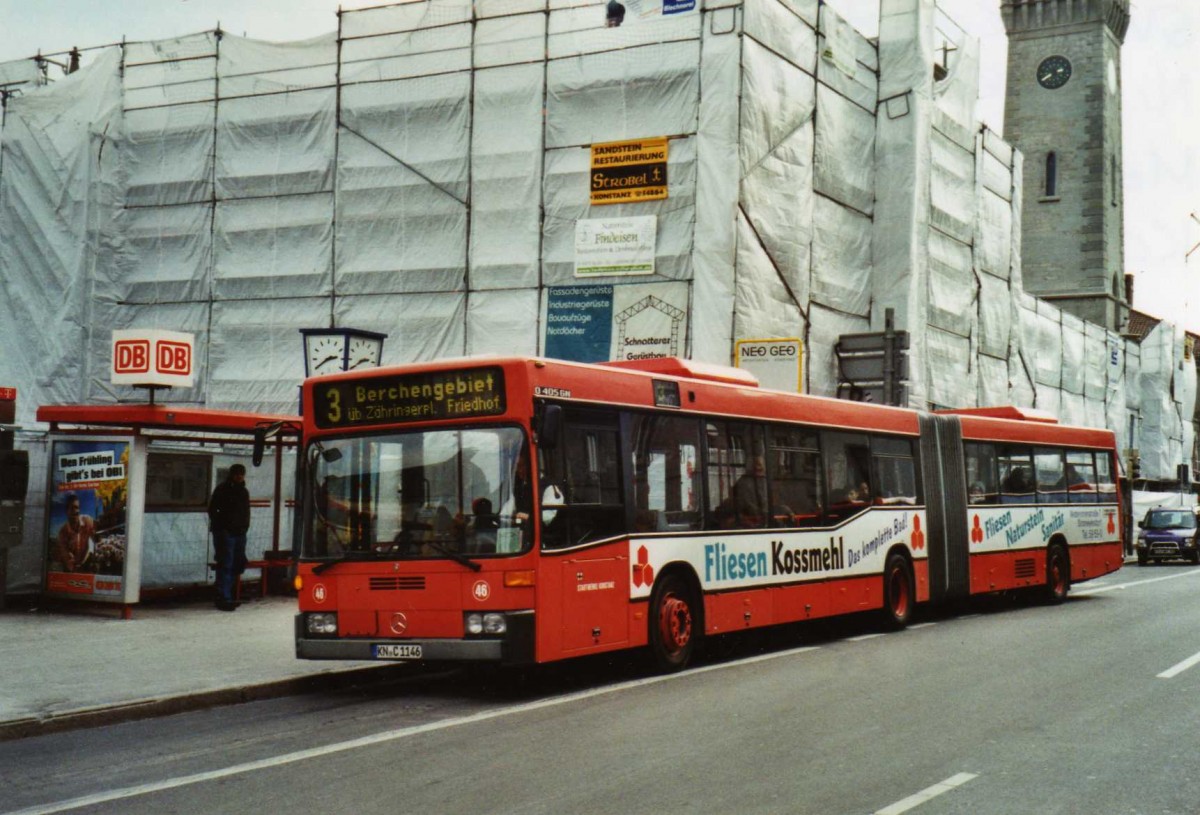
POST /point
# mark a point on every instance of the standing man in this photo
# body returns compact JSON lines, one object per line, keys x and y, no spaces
{"x":229,"y":518}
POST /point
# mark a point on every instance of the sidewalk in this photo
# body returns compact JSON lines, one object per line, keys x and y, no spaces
{"x":67,"y":668}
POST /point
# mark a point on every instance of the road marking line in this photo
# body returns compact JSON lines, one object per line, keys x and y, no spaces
{"x":1174,"y":671}
{"x":862,"y":637}
{"x":382,"y":738}
{"x":1100,"y":589}
{"x":927,"y":794}
{"x":920,"y":626}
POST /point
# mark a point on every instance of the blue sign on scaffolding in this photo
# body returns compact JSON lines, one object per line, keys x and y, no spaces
{"x":579,"y":323}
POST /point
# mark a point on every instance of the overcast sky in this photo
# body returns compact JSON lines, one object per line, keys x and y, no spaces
{"x":1160,"y":78}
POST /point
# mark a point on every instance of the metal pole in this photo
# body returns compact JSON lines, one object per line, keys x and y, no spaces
{"x":889,"y":357}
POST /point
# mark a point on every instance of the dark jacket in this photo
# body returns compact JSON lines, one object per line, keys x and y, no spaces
{"x":229,"y":508}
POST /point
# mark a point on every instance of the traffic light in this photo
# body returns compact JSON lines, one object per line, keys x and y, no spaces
{"x":1135,"y":465}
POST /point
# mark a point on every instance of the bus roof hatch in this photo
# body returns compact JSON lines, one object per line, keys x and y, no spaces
{"x":1005,"y":412}
{"x":688,"y":369}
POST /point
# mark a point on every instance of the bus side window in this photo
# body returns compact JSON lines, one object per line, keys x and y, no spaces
{"x":737,"y":477}
{"x":666,"y":473}
{"x":1081,"y":477}
{"x":794,"y":470}
{"x":982,"y":485}
{"x":847,"y":472}
{"x":584,"y":473}
{"x":1016,"y":475}
{"x":1051,"y":475}
{"x":1106,"y":487}
{"x":894,"y":471}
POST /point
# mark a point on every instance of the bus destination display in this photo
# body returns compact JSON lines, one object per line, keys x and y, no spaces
{"x":410,"y":397}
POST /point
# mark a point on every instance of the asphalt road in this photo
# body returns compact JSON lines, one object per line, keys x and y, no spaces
{"x":1003,"y":707}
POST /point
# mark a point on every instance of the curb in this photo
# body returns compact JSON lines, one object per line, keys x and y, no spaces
{"x":183,"y":703}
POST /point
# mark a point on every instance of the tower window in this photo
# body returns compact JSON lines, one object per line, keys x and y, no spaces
{"x":1116,"y":180}
{"x":1051,"y":174}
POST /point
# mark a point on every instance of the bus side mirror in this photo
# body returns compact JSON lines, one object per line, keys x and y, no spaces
{"x":264,"y":433}
{"x":551,"y":426}
{"x":260,"y":446}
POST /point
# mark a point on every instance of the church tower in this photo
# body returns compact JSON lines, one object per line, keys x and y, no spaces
{"x":1063,"y":112}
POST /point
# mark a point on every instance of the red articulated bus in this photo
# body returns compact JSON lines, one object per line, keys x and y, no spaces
{"x":523,"y":510}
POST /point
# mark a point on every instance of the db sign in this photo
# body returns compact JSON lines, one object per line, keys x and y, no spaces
{"x":777,"y":363}
{"x":151,"y":357}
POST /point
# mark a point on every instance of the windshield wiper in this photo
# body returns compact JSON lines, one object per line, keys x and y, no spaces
{"x":346,"y":558}
{"x":457,"y":557}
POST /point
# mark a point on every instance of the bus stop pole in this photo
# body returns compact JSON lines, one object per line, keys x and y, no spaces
{"x":278,"y":498}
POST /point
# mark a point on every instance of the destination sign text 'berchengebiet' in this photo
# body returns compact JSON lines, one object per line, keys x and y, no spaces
{"x":457,"y":394}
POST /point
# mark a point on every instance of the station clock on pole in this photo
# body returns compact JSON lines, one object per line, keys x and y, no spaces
{"x":332,"y":350}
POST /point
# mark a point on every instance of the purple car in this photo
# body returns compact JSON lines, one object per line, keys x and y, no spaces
{"x":1167,"y":534}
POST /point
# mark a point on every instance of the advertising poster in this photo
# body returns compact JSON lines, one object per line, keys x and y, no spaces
{"x":629,"y":171}
{"x":579,"y":323}
{"x":649,"y":320}
{"x":778,"y":363}
{"x":615,"y":246}
{"x":86,"y":539}
{"x":602,"y":323}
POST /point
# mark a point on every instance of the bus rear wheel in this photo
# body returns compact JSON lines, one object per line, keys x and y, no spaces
{"x":672,"y":624}
{"x":1058,"y":575}
{"x":898,"y":595}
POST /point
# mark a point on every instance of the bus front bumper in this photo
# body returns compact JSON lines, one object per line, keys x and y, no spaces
{"x":514,"y":648}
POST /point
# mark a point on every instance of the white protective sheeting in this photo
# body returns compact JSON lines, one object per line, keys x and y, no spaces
{"x":1132,"y":358}
{"x":952,"y":287}
{"x":507,"y":173}
{"x":1071,"y":331}
{"x":844,"y":174}
{"x":717,"y":142}
{"x":953,"y":379}
{"x":841,"y":258}
{"x":993,"y":381}
{"x":421,"y":171}
{"x":512,"y":313}
{"x":57,"y":192}
{"x":1162,"y":416}
{"x":825,"y":326}
{"x":421,"y":326}
{"x":776,"y":154}
{"x":252,"y":357}
{"x":995,"y":316}
{"x":1118,"y":355}
{"x":1043,"y":336}
{"x":765,"y":306}
{"x":1145,"y":500}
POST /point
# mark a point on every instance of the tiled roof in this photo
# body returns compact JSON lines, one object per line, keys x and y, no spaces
{"x":1139,"y":325}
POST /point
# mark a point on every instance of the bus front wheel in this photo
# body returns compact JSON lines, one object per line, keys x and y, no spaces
{"x":898,"y":594}
{"x":673,"y":622}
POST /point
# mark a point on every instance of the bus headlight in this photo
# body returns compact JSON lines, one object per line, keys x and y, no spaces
{"x":490,"y":623}
{"x":323,"y":623}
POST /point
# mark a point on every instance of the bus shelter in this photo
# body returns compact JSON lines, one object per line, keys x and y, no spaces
{"x":128,"y":488}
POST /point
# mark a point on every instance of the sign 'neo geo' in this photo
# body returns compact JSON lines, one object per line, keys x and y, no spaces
{"x":153,"y":358}
{"x":423,"y":397}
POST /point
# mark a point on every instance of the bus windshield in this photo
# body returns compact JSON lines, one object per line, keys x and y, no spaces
{"x":436,"y":493}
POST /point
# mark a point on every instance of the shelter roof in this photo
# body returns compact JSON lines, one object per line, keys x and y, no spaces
{"x":163,"y":417}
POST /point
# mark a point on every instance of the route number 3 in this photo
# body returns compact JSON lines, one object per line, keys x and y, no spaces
{"x":334,"y":412}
